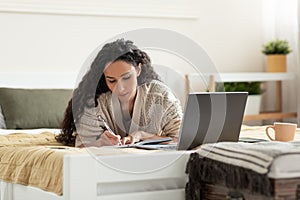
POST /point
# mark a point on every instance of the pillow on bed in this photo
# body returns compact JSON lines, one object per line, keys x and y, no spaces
{"x":2,"y":121}
{"x":33,"y":108}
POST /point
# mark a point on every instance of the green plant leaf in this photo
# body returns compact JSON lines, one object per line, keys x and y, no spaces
{"x":250,"y":87}
{"x":276,"y":47}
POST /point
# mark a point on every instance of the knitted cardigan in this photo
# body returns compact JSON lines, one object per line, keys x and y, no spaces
{"x":156,"y":110}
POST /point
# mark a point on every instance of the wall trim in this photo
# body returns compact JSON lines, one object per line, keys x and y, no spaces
{"x":137,"y":9}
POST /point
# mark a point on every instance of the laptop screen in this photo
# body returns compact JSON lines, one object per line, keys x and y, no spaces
{"x":211,"y":117}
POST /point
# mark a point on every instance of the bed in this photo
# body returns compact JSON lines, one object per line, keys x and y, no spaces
{"x":91,"y":173}
{"x":71,"y":173}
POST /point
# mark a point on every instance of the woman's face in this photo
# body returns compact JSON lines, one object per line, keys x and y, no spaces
{"x":121,"y":79}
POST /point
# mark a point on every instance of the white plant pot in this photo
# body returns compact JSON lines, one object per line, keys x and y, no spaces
{"x":253,"y":105}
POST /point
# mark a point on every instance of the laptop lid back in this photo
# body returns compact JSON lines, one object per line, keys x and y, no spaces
{"x":211,"y":117}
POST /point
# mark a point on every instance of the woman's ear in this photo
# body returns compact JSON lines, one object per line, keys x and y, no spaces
{"x":139,"y":69}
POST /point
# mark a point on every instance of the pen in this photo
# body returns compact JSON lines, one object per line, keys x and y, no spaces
{"x":106,"y":126}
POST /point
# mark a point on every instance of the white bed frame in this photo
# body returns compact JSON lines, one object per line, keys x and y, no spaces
{"x":85,"y":177}
{"x":89,"y":177}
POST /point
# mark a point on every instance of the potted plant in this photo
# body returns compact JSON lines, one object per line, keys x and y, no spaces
{"x":254,"y":94}
{"x":276,"y":51}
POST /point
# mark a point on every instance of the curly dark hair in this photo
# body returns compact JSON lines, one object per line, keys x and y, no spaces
{"x":93,"y":83}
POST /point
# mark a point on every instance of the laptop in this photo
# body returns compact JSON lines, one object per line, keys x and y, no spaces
{"x":209,"y":117}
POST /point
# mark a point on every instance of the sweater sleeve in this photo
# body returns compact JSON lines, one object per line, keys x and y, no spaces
{"x":88,"y":128}
{"x":172,"y":115}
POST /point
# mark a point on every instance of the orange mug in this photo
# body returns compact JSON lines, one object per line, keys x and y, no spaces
{"x":282,"y":131}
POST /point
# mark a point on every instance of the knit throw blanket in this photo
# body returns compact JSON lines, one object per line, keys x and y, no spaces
{"x":241,"y":166}
{"x":33,"y":159}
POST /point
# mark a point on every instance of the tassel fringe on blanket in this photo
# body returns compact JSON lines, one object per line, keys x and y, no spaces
{"x":204,"y":170}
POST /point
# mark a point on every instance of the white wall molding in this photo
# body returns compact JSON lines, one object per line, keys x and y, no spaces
{"x":176,"y":9}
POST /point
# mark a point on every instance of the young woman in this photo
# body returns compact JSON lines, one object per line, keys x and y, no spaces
{"x":122,"y":88}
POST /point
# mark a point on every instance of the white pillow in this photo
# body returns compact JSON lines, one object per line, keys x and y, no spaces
{"x":2,"y":121}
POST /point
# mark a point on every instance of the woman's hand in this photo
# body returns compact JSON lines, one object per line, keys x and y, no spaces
{"x":137,"y":136}
{"x":108,"y":139}
{"x":131,"y":139}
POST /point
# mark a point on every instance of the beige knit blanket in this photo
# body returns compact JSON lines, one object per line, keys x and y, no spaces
{"x":23,"y":139}
{"x":33,"y":159}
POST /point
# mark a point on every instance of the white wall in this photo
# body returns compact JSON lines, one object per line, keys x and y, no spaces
{"x":59,"y":35}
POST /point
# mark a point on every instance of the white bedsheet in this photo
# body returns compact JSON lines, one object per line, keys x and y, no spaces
{"x":285,"y":166}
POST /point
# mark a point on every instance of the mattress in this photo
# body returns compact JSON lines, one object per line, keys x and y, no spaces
{"x":284,"y":166}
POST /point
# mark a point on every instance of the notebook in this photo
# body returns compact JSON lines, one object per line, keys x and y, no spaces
{"x":209,"y":117}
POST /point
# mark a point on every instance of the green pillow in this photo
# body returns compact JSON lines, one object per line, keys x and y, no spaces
{"x":33,"y":108}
